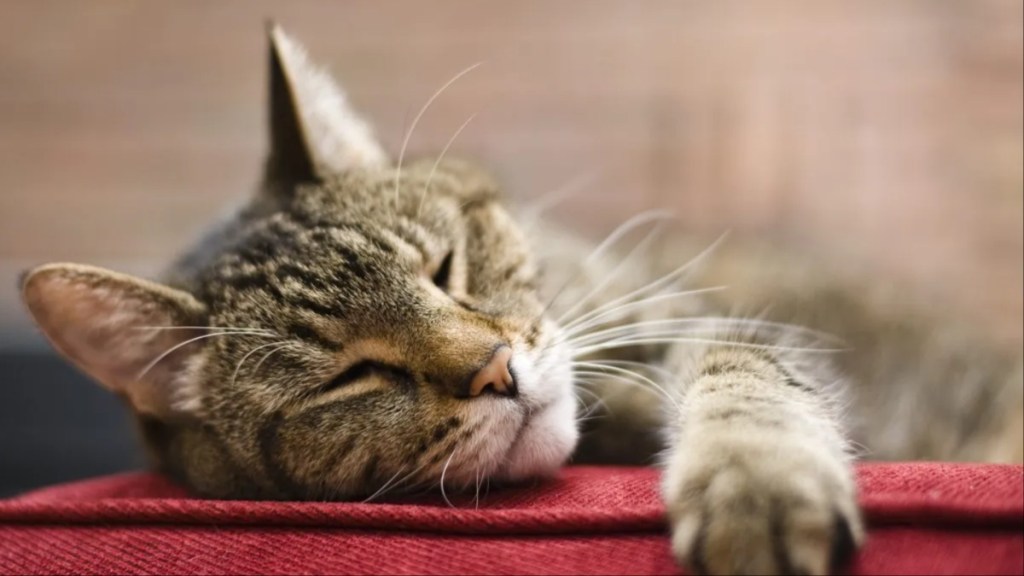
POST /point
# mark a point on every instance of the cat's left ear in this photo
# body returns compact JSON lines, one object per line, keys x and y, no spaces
{"x":313,"y":130}
{"x":133,"y":336}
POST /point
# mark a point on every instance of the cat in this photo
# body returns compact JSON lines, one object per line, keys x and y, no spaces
{"x":365,"y":326}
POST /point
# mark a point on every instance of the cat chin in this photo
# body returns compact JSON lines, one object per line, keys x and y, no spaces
{"x":549,"y":435}
{"x":544,"y":444}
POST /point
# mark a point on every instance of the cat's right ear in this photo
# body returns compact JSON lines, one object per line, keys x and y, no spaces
{"x":313,"y":131}
{"x":135,"y":337}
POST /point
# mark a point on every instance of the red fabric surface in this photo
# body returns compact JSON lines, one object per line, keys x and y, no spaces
{"x":924,"y":519}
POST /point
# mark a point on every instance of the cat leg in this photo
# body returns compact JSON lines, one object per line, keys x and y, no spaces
{"x":757,"y":476}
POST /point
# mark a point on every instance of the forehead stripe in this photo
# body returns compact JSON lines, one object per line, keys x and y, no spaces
{"x":310,"y":335}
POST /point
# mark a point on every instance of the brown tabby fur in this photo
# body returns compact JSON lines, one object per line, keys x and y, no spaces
{"x":319,"y":344}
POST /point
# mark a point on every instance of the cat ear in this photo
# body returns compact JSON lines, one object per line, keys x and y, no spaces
{"x":313,"y":130}
{"x":128,"y":334}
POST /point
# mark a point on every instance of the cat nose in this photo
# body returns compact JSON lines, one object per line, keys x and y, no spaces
{"x":495,"y":377}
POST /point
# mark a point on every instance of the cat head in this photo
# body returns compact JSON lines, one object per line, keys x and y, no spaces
{"x":360,"y":324}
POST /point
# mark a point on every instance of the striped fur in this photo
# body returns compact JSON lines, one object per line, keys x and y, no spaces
{"x":319,"y":345}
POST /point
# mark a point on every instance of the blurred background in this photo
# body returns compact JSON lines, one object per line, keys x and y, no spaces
{"x":885,"y":132}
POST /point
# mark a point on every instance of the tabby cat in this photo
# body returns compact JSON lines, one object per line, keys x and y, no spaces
{"x":365,"y":326}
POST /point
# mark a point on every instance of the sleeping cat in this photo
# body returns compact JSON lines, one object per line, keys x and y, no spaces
{"x":366,"y":326}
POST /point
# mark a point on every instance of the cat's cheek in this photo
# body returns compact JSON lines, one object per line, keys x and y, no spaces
{"x":545,"y":444}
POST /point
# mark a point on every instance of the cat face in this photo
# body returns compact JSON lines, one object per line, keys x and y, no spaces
{"x":359,"y":327}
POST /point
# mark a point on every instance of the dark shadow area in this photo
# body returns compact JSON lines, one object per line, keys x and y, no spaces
{"x":56,"y":425}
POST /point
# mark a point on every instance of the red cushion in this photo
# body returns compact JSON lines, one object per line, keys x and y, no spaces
{"x":924,"y":519}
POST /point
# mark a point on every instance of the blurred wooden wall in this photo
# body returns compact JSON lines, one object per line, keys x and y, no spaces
{"x":885,"y":131}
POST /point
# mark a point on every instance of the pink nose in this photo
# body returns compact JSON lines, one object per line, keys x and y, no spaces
{"x":495,"y":376}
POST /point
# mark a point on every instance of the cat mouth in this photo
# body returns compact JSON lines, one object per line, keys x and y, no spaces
{"x":541,"y":426}
{"x":530,"y":412}
{"x":541,"y":444}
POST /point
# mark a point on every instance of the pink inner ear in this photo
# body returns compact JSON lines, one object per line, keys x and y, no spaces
{"x":113,"y":329}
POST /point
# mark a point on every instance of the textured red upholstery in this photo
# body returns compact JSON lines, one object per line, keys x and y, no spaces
{"x":924,"y":519}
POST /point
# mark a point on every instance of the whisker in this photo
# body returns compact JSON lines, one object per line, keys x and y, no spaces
{"x":234,"y":376}
{"x":632,"y":374}
{"x":626,"y":342}
{"x":269,"y":354}
{"x":383,"y":488}
{"x":189,"y":341}
{"x":665,"y":327}
{"x":222,"y":328}
{"x":587,"y":418}
{"x":614,"y":273}
{"x":625,"y":228}
{"x":583,"y":322}
{"x":858,"y":450}
{"x":416,"y":120}
{"x":411,"y":474}
{"x":595,"y":405}
{"x":391,"y":484}
{"x":619,"y":334}
{"x":476,"y":496}
{"x":664,"y":280}
{"x":443,"y":471}
{"x":667,"y":375}
{"x":614,"y":236}
{"x":627,"y":380}
{"x":597,"y":398}
{"x":533,"y":211}
{"x":433,"y":169}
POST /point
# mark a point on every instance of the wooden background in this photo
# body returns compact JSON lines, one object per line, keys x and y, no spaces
{"x":887,"y":132}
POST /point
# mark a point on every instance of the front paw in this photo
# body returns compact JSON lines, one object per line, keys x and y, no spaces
{"x":761,"y":510}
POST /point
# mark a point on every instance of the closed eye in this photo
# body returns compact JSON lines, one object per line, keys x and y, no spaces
{"x":363,"y":369}
{"x":442,"y":277}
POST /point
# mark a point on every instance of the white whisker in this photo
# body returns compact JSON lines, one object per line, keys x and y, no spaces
{"x":268,"y":355}
{"x":189,"y":341}
{"x":443,"y":471}
{"x":400,"y":481}
{"x":391,"y":484}
{"x":630,"y":341}
{"x":382,"y":489}
{"x":234,"y":376}
{"x":476,"y":496}
{"x":621,"y":334}
{"x":416,"y":120}
{"x":614,"y":273}
{"x":661,"y":282}
{"x":596,"y":397}
{"x":614,"y":236}
{"x":221,"y":328}
{"x":433,"y":169}
{"x":632,"y":381}
{"x":533,"y":211}
{"x":625,"y":228}
{"x":631,"y":374}
{"x":587,"y":320}
{"x":594,"y":406}
{"x":668,"y":376}
{"x":672,"y":326}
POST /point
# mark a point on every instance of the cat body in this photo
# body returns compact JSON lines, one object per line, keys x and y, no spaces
{"x":365,"y":326}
